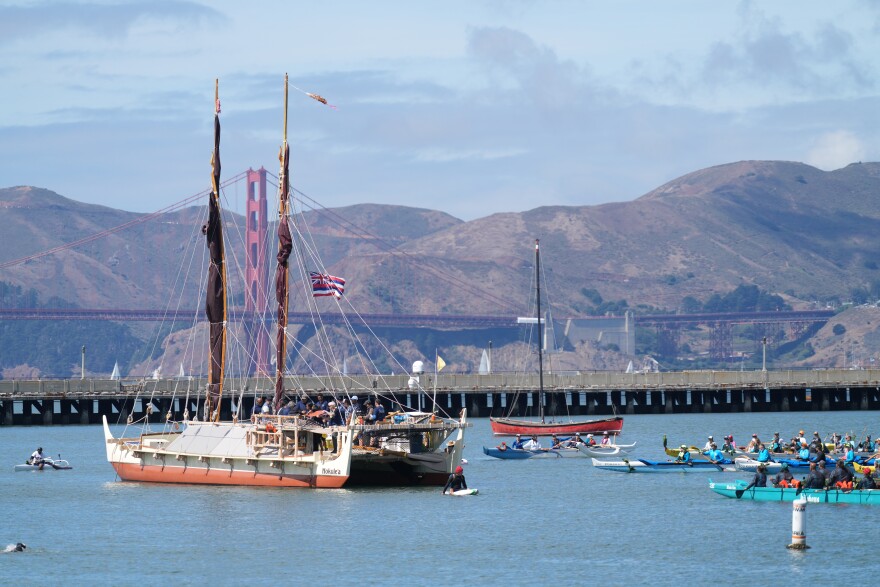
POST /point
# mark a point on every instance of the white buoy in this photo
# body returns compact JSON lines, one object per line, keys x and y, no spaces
{"x":799,"y":525}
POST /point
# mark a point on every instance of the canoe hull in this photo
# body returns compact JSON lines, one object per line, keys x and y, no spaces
{"x":645,"y":466}
{"x":508,"y":427}
{"x":511,"y":454}
{"x":859,"y":497}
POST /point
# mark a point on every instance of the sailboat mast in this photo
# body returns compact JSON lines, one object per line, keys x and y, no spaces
{"x":215,"y":298}
{"x":285,"y":245}
{"x":540,"y":330}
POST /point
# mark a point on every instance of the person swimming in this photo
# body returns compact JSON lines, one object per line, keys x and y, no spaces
{"x":17,"y":547}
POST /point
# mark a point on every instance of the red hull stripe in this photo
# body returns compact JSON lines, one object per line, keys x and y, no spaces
{"x":199,"y":475}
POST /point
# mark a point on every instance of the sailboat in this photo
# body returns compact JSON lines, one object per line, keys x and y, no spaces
{"x":278,"y":451}
{"x":509,"y":427}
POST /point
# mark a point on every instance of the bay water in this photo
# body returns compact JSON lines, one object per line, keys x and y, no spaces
{"x":534,"y":522}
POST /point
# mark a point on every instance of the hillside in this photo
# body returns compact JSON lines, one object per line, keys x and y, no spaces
{"x":786,"y":227}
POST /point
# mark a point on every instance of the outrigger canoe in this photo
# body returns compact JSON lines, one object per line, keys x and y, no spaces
{"x":645,"y":466}
{"x":49,"y":465}
{"x":545,"y":453}
{"x":598,"y":451}
{"x":737,"y":490}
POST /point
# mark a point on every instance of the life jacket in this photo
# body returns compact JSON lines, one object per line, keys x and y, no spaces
{"x":795,"y":483}
{"x":784,"y":483}
{"x":844,"y":484}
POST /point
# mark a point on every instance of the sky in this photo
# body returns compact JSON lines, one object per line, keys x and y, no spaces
{"x":471,"y":107}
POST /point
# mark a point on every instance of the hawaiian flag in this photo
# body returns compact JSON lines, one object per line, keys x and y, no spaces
{"x":326,"y":285}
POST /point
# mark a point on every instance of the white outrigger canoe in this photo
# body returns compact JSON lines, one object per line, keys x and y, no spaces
{"x":48,"y":465}
{"x":603,"y":452}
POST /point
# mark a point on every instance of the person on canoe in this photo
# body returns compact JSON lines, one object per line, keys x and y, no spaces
{"x":554,"y":443}
{"x":37,"y":458}
{"x":784,"y":478}
{"x":709,"y":444}
{"x":590,"y":440}
{"x":684,"y":455}
{"x":776,"y":443}
{"x":867,"y":482}
{"x":456,"y":481}
{"x":606,"y":440}
{"x":849,"y":456}
{"x":753,"y":444}
{"x":715,"y":455}
{"x":840,"y":477}
{"x":804,"y":452}
{"x":760,"y":478}
{"x":815,"y":479}
{"x":518,"y":443}
{"x":729,"y":445}
{"x":763,"y":454}
{"x":533,"y":443}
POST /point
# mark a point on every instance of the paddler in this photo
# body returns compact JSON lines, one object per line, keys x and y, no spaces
{"x":763,"y":454}
{"x":776,"y":443}
{"x":456,"y":481}
{"x":784,"y":478}
{"x":715,"y":455}
{"x":37,"y":458}
{"x":760,"y":478}
{"x":518,"y":443}
{"x":684,"y":455}
{"x":867,"y":482}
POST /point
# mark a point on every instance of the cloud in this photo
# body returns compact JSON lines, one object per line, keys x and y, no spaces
{"x":99,"y":20}
{"x":834,"y":150}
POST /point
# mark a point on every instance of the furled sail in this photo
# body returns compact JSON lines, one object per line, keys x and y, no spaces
{"x":215,"y":300}
{"x":285,"y":245}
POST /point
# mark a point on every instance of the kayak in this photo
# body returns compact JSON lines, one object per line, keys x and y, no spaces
{"x":50,"y":465}
{"x":463,"y":492}
{"x":518,"y":454}
{"x":737,"y":490}
{"x":644,"y":466}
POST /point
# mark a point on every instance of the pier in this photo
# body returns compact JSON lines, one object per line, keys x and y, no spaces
{"x":85,"y":401}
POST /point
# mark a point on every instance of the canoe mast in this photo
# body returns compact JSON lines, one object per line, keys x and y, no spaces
{"x":540,"y":331}
{"x":285,"y":245}
{"x":215,"y":299}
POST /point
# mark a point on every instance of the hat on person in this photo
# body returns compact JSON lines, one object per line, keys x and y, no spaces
{"x":331,"y":403}
{"x":754,"y":436}
{"x":589,"y":436}
{"x":784,"y":466}
{"x":711,"y":437}
{"x":458,"y":469}
{"x":606,"y":433}
{"x":866,"y":470}
{"x":684,"y":446}
{"x":801,"y":432}
{"x":518,"y":435}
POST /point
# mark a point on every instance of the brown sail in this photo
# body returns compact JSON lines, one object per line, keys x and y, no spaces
{"x":215,"y":298}
{"x":285,"y":245}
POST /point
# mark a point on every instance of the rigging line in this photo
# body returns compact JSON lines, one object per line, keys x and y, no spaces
{"x":394,"y":250}
{"x":391,"y":248}
{"x":115,"y":229}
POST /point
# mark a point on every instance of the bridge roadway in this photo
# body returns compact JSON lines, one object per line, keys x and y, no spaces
{"x":84,"y":401}
{"x":402,"y":320}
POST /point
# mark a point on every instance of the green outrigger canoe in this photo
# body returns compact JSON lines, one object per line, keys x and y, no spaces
{"x":737,"y":490}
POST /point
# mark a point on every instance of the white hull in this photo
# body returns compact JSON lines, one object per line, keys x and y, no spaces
{"x":62,"y":464}
{"x":231,"y":454}
{"x":604,"y":452}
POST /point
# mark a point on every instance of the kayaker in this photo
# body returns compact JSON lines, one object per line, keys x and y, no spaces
{"x":763,"y":454}
{"x":684,"y":455}
{"x":518,"y":443}
{"x":784,"y":477}
{"x":760,"y":478}
{"x":867,"y":482}
{"x":456,"y":481}
{"x":841,"y":477}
